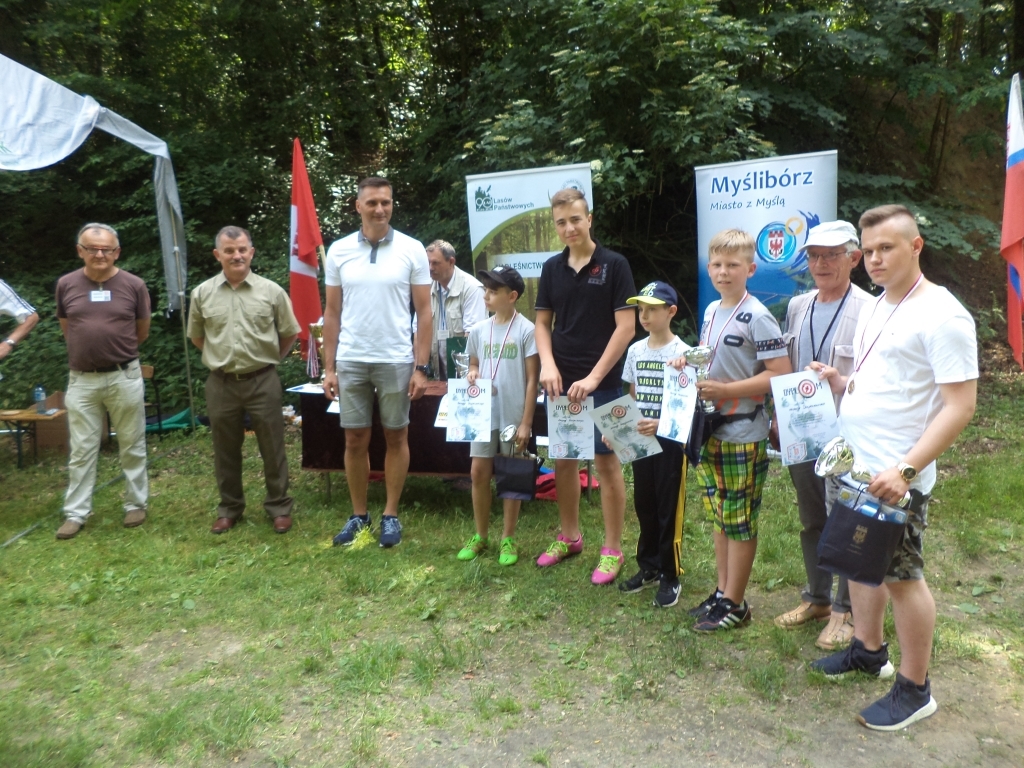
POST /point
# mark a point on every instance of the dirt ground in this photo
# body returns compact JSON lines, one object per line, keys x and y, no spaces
{"x":705,"y":717}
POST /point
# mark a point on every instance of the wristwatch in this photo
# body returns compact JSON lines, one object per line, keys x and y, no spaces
{"x":907,"y":471}
{"x":12,"y":342}
{"x":425,"y":370}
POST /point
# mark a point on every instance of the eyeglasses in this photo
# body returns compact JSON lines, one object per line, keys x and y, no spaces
{"x":96,"y":251}
{"x":828,"y":258}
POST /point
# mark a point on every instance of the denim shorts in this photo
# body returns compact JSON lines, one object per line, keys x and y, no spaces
{"x":601,"y":397}
{"x":357,"y":384}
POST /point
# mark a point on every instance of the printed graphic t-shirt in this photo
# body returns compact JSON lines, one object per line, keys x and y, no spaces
{"x":645,"y":369}
{"x":741,"y":346}
{"x":508,"y":373}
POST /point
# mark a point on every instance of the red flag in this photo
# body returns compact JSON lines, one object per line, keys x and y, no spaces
{"x":1012,"y":242}
{"x":306,"y":243}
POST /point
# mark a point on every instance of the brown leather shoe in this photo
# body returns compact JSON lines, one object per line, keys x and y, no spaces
{"x":837,"y":634}
{"x":69,"y":530}
{"x":801,"y":615}
{"x":134,"y":517}
{"x":225,"y":524}
{"x":283,"y":523}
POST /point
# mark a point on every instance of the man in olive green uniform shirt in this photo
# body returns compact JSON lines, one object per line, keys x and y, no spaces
{"x":244,"y":325}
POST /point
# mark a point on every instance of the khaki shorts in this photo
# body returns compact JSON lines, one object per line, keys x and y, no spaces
{"x":485,"y":450}
{"x":357,"y":384}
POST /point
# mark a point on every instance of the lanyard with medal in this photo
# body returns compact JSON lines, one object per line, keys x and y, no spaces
{"x":815,"y":353}
{"x":490,"y":348}
{"x":721,"y":333}
{"x":850,"y":387}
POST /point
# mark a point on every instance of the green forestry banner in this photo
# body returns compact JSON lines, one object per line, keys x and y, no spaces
{"x":510,"y":219}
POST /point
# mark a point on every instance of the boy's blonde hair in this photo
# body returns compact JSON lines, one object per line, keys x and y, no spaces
{"x":733,"y":240}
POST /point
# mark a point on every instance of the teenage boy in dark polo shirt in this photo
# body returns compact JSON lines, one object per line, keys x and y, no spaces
{"x":584,"y":325}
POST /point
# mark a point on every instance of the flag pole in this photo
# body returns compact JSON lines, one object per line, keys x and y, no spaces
{"x":184,"y":332}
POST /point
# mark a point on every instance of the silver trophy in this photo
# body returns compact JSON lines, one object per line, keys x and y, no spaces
{"x":316,"y":337}
{"x":461,"y":364}
{"x":508,"y":438}
{"x":837,"y":458}
{"x":700,"y":358}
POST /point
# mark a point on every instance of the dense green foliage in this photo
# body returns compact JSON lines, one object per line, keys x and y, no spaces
{"x":427,"y":92}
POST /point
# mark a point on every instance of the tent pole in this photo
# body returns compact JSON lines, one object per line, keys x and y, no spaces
{"x":184,"y":332}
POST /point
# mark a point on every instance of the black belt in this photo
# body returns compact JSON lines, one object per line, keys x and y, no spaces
{"x":242,"y":376}
{"x":115,"y":367}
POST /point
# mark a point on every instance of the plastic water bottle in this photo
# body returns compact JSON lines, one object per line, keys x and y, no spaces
{"x":39,"y":395}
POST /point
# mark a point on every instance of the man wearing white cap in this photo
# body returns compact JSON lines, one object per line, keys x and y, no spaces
{"x":819,"y":327}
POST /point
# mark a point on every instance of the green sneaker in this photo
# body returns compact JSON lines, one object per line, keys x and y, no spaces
{"x":509,"y":554}
{"x":472,"y":548}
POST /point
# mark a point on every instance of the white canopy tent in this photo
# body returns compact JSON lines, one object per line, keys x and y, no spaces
{"x":42,"y":122}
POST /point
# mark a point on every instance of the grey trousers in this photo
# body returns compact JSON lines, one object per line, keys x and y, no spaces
{"x":227,"y":402}
{"x":810,"y":499}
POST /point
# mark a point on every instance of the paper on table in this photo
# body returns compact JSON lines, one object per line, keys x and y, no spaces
{"x":441,"y":420}
{"x":806,"y":414}
{"x":469,"y":411}
{"x":678,"y":401}
{"x":617,"y":421}
{"x":570,"y":429}
{"x":307,"y":389}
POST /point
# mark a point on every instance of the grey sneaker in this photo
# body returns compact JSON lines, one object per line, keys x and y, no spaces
{"x":856,"y":658}
{"x":352,"y":528}
{"x":390,"y":531}
{"x":904,"y":705}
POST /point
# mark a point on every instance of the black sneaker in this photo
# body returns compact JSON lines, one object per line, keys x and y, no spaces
{"x":856,"y":658}
{"x":635,"y":583}
{"x":668,"y":593}
{"x":904,"y":705}
{"x":707,"y":605}
{"x":390,"y":531}
{"x":348,"y":534}
{"x":725,"y":615}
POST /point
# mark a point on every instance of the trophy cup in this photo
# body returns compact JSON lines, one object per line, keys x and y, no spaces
{"x":316,"y":338}
{"x":700,"y":358}
{"x":837,"y":458}
{"x":461,"y":364}
{"x":508,"y":438}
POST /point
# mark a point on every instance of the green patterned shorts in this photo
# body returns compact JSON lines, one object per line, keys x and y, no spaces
{"x":733,"y":476}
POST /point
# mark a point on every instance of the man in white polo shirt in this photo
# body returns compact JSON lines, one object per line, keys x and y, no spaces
{"x":376,"y":278}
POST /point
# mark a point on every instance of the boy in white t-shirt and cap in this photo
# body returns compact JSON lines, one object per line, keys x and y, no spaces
{"x":657,"y":478}
{"x":913,"y":389}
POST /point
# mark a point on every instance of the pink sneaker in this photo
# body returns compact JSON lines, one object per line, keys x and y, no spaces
{"x":560,"y":549}
{"x":608,"y":567}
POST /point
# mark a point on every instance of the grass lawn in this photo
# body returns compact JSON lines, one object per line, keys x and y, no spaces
{"x":166,"y":645}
